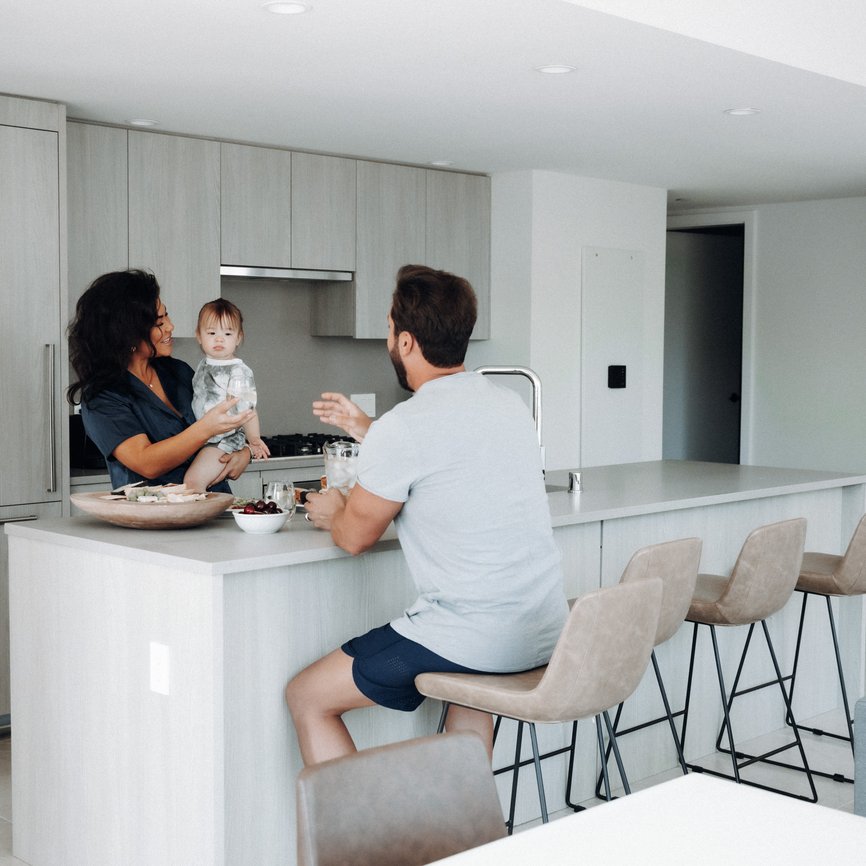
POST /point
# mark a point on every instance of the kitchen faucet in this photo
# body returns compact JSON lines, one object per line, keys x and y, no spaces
{"x":536,"y":393}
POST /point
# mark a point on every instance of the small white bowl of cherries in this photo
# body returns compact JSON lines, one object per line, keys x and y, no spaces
{"x":260,"y":517}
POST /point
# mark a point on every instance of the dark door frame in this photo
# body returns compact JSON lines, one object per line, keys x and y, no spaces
{"x":746,"y":218}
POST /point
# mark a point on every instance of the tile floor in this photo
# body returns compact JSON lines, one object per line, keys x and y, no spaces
{"x":823,"y":754}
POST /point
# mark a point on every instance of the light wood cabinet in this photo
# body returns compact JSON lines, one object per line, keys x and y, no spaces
{"x":32,"y":298}
{"x":98,"y":204}
{"x":30,"y":307}
{"x":256,"y":206}
{"x":409,"y":216}
{"x":323,"y":212}
{"x":391,"y":206}
{"x":174,"y":219}
{"x":458,"y":234}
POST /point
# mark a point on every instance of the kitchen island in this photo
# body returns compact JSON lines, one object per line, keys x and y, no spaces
{"x":107,"y":770}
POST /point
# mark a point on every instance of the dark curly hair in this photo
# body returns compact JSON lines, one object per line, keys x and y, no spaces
{"x":113,"y":316}
{"x":439,"y":310}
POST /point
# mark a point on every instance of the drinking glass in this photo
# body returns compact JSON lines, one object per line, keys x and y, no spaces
{"x":281,"y":492}
{"x":242,"y":386}
{"x":341,"y":465}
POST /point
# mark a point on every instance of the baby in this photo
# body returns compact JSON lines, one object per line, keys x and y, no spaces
{"x":219,"y":332}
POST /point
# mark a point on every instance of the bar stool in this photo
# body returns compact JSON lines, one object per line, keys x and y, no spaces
{"x":832,"y":576}
{"x":676,"y":564}
{"x":760,"y":584}
{"x":597,"y":663}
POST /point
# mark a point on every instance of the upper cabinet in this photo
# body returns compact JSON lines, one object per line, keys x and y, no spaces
{"x":182,"y":206}
{"x":174,"y":219}
{"x":256,"y":206}
{"x":98,"y":204}
{"x":458,"y":234}
{"x":391,"y":220}
{"x":409,"y":216}
{"x":323,"y":212}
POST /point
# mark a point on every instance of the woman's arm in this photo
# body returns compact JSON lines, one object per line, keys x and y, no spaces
{"x":153,"y":459}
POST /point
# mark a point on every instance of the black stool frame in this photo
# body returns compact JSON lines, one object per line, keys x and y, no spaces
{"x":792,"y":677}
{"x":537,"y":758}
{"x":668,"y":717}
{"x":740,"y":760}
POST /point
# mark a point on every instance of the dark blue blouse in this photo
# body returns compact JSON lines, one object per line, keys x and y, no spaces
{"x":113,"y":416}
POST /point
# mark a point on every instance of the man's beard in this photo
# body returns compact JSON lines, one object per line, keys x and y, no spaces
{"x":399,"y":368}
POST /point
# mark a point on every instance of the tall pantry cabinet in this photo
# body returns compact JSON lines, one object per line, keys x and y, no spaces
{"x":34,"y":470}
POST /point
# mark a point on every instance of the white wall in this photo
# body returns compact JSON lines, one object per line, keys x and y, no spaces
{"x":810,"y":335}
{"x":565,"y":214}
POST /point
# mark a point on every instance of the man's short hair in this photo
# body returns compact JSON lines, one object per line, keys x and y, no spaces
{"x":439,"y":310}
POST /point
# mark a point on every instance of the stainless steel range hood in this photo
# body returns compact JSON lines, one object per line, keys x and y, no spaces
{"x":249,"y":273}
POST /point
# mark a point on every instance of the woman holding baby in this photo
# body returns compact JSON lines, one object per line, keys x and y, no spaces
{"x":136,"y":399}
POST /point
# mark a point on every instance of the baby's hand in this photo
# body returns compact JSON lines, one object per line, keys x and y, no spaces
{"x":259,"y":449}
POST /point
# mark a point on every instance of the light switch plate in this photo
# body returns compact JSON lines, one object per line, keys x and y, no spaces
{"x":159,"y":668}
{"x":367,"y":403}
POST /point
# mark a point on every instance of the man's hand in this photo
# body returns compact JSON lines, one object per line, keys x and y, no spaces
{"x":322,"y":507}
{"x":339,"y":410}
{"x":356,"y":522}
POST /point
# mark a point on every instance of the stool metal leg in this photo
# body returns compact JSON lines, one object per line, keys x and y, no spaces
{"x":619,"y":766}
{"x":515,"y":773}
{"x":605,"y":776}
{"x":538,"y":778}
{"x":689,"y":688}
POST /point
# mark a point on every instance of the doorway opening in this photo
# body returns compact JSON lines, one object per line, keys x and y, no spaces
{"x":703,"y":344}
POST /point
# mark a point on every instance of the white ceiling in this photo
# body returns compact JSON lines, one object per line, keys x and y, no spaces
{"x":417,"y":81}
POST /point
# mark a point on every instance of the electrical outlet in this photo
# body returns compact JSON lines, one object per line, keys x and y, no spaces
{"x":159,"y":668}
{"x":367,"y":403}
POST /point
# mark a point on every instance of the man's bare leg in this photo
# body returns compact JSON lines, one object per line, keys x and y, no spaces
{"x":317,"y":698}
{"x":464,"y":719}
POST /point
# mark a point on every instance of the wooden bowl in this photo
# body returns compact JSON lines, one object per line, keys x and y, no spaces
{"x":152,"y":515}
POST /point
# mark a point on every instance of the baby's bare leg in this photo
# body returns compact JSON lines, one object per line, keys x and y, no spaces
{"x":205,"y":467}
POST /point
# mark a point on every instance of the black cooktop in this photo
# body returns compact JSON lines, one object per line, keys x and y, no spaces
{"x":299,"y":444}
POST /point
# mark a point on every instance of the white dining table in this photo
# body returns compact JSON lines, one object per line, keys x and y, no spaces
{"x":694,"y":819}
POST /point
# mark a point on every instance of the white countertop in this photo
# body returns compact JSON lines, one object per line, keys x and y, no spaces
{"x":691,"y":819}
{"x":609,"y":492}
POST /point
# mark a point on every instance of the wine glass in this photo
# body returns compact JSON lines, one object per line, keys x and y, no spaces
{"x":281,"y":492}
{"x":243,"y":386}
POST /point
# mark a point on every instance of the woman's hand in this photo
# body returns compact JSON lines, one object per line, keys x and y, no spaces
{"x":234,"y":464}
{"x":339,"y":410}
{"x":218,"y":419}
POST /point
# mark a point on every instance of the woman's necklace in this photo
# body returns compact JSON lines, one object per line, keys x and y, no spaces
{"x":144,"y":381}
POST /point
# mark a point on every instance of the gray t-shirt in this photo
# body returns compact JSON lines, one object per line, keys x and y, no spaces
{"x":463,"y":456}
{"x":209,"y":383}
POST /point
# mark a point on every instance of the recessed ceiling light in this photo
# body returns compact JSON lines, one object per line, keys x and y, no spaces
{"x":742,"y":112}
{"x":555,"y":69}
{"x":286,"y":7}
{"x":141,"y":121}
{"x":442,"y":162}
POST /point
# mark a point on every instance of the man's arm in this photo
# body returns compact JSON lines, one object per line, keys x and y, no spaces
{"x":357,"y":521}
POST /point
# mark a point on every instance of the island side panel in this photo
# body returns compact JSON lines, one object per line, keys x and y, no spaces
{"x":278,"y":621}
{"x":723,"y":528}
{"x":104,"y":770}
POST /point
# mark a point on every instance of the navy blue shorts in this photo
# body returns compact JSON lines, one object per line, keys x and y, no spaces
{"x":385,"y":664}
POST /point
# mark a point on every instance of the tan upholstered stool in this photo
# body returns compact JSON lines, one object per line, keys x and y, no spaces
{"x":675,"y":563}
{"x":404,"y":804}
{"x":597,"y":663}
{"x":760,"y":584}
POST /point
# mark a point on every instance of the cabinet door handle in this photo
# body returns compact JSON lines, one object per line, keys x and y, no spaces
{"x":52,"y":426}
{"x":18,"y":519}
